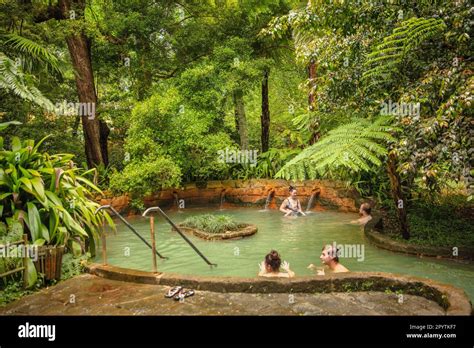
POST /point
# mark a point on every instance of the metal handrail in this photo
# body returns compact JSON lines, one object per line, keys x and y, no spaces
{"x":176,"y":228}
{"x":129,"y":226}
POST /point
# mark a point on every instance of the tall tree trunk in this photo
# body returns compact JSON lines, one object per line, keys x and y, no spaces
{"x":96,"y":131}
{"x":241,"y":118}
{"x":397,"y":195}
{"x":265,"y":117}
{"x":311,"y":100}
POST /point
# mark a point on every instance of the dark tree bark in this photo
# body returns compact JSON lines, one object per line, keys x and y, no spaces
{"x":397,"y":195}
{"x":240,"y":118}
{"x":265,"y":117}
{"x":311,"y":99}
{"x":95,"y":131}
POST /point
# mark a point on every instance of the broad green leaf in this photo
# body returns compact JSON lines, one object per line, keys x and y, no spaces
{"x":16,"y":144}
{"x":45,"y":232}
{"x":38,"y":144}
{"x":53,"y":198}
{"x":27,"y":183}
{"x":38,"y":187}
{"x":89,"y":183}
{"x":5,"y":195}
{"x":34,"y":172}
{"x":32,"y":276}
{"x":25,"y":172}
{"x":39,"y":242}
{"x":76,"y":248}
{"x":33,"y":221}
{"x":4,"y":125}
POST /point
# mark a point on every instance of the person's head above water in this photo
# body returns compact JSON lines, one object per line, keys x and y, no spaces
{"x":365,"y":209}
{"x":272,"y":261}
{"x":292,"y":190}
{"x":329,"y":253}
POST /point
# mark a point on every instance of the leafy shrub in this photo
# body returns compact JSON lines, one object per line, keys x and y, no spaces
{"x":46,"y":197}
{"x":447,"y":222}
{"x":73,"y":266}
{"x":143,"y":177}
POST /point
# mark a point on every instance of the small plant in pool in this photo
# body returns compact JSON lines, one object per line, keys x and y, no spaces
{"x":212,"y":223}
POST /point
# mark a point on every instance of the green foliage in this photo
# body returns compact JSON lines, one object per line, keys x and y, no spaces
{"x":268,"y":164}
{"x":355,"y":146}
{"x":441,"y":223}
{"x":47,"y":197}
{"x":73,"y":266}
{"x":12,"y":79}
{"x":142,"y":177}
{"x":387,"y":58}
{"x":165,"y":125}
{"x":212,"y":223}
{"x":13,"y":291}
{"x":31,"y":53}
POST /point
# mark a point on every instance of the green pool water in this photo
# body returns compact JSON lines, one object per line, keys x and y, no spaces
{"x":298,"y":240}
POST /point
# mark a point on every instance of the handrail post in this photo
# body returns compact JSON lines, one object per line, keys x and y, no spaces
{"x":25,"y":261}
{"x":176,"y":228}
{"x":104,"y":246}
{"x":153,"y":245}
{"x":117,"y":214}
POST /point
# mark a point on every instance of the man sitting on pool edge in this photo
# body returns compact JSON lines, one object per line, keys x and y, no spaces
{"x":270,"y":267}
{"x":329,"y":257}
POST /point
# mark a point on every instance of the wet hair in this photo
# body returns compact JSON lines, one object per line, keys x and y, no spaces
{"x":366,"y":207}
{"x":291,"y":189}
{"x":334,"y":252}
{"x":273,"y":260}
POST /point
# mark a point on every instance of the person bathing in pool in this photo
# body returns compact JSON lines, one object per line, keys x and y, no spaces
{"x":291,"y":205}
{"x":365,"y":216}
{"x":329,"y":257}
{"x":270,"y":267}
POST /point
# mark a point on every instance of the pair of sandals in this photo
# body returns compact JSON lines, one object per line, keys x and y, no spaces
{"x":179,"y":293}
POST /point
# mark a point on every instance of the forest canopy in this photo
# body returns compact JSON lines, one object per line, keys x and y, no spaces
{"x":149,"y":92}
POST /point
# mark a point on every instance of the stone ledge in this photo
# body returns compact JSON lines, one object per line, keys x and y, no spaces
{"x":328,"y":194}
{"x":385,"y":242}
{"x":245,"y":231}
{"x":452,"y":299}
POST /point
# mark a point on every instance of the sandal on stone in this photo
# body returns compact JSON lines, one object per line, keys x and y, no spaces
{"x":173,"y":291}
{"x":183,"y":294}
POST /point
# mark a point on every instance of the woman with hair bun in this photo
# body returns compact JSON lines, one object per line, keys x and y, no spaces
{"x":291,"y":205}
{"x":270,"y":267}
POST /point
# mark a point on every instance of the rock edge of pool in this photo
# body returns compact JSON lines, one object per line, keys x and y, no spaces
{"x":452,"y":299}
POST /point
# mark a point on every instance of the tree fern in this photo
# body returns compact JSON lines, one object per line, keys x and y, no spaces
{"x":357,"y":146}
{"x":31,"y":53}
{"x":12,"y":79}
{"x":384,"y":61}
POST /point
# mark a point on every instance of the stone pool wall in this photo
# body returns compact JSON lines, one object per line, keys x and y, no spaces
{"x":255,"y":192}
{"x":452,"y":299}
{"x":373,"y":232}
